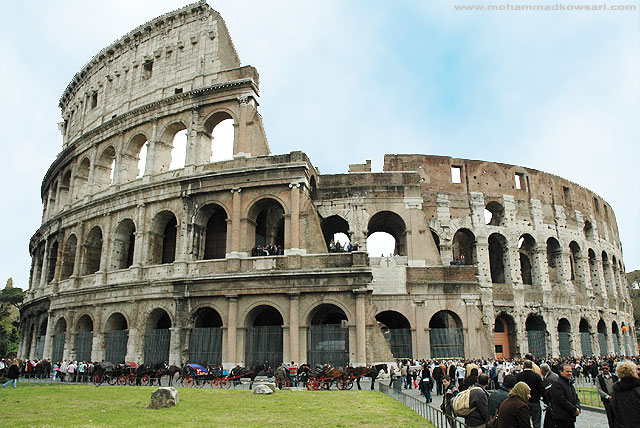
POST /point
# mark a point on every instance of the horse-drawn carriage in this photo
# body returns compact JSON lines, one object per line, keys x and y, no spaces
{"x":326,"y":377}
{"x":128,"y":373}
{"x":195,"y":375}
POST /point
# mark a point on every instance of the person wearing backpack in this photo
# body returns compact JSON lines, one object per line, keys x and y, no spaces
{"x":450,"y":391}
{"x":478,"y":407}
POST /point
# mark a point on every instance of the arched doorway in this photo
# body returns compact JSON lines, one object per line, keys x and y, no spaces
{"x":446,"y":337}
{"x":391,"y":224}
{"x":616,"y":338}
{"x":59,"y":334}
{"x":397,"y":332}
{"x":504,"y":336}
{"x":157,"y":337}
{"x":116,"y":338}
{"x":328,"y":337}
{"x":464,"y":248}
{"x":585,"y":337}
{"x":602,"y":338}
{"x":564,"y":337}
{"x":205,"y":342}
{"x":331,"y":226}
{"x":42,"y":334}
{"x":498,"y":258}
{"x":84,"y":338}
{"x":263,"y":341}
{"x":536,"y":335}
{"x":268,"y":217}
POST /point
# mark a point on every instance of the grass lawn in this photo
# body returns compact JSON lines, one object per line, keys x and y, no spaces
{"x":589,"y":396}
{"x":37,"y":405}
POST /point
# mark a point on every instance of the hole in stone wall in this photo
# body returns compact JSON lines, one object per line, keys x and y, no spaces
{"x":142,"y":159}
{"x":222,"y":141}
{"x":456,"y":174}
{"x":179,"y":151}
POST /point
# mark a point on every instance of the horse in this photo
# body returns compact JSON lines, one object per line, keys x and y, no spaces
{"x":171,"y":372}
{"x":304,"y":371}
{"x":371,"y":372}
{"x":327,"y":375}
{"x":259,"y":370}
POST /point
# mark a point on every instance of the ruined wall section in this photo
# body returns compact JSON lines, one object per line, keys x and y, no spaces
{"x":174,"y":53}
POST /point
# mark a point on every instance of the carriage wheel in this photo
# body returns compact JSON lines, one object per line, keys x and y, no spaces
{"x":111,"y":380}
{"x":349,"y":384}
{"x":97,"y":379}
{"x":227,"y":384}
{"x":286,"y":383}
{"x":144,"y":381}
{"x":313,"y":384}
{"x":132,"y":380}
{"x":187,"y":381}
{"x":122,"y":380}
{"x":199,"y":383}
{"x":214,"y":383}
{"x":326,"y":384}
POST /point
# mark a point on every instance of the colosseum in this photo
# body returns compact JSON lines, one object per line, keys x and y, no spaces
{"x":152,"y":251}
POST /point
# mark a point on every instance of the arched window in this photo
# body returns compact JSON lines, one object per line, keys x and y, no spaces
{"x":65,"y":186}
{"x":389,"y":223}
{"x":526,"y":250}
{"x":396,"y":329}
{"x":124,"y":241}
{"x":464,"y":247}
{"x":585,"y":337}
{"x":84,"y":338}
{"x":222,"y":130}
{"x":92,"y":251}
{"x":104,"y":172}
{"x":163,"y":239}
{"x":81,"y":182}
{"x":593,"y":272}
{"x":333,"y":225}
{"x":170,"y":151}
{"x":536,"y":335}
{"x":215,"y":243}
{"x":268,"y":217}
{"x":116,"y":338}
{"x":498,"y":258}
{"x":574,"y":254}
{"x":493,"y":213}
{"x":134,"y":160}
{"x":554,"y":259}
{"x":69,"y":257}
{"x":602,"y":338}
{"x":52,"y":261}
{"x":59,"y":336}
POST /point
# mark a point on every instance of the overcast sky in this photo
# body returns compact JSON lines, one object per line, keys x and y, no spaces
{"x":346,"y":81}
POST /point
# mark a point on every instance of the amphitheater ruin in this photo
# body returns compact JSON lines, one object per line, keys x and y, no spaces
{"x":157,"y":264}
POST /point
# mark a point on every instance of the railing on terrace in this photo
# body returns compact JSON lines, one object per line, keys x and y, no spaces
{"x":435,"y":416}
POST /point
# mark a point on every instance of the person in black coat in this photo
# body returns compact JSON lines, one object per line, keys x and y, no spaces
{"x":564,"y":399}
{"x":437,"y":375}
{"x":534,"y":381}
{"x":625,"y":400}
{"x":13,"y":374}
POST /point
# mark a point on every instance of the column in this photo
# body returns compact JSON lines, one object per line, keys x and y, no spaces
{"x":175,"y":356}
{"x":294,"y":220}
{"x":294,"y":327}
{"x":236,"y":213}
{"x":48,"y":339}
{"x":240,"y":146}
{"x":45,"y":264}
{"x":132,"y":342}
{"x":139,"y":251}
{"x":420,"y":331}
{"x":97,"y":341}
{"x":231,"y":345}
{"x":101,"y":275}
{"x":361,"y":351}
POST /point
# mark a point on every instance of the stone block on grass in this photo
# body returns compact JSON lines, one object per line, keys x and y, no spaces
{"x":163,"y":397}
{"x":262,"y":389}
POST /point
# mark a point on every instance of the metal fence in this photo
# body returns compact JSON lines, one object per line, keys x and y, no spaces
{"x":116,"y":346}
{"x":263,"y":343}
{"x":616,"y":344}
{"x":58,"y":347}
{"x":399,"y":340}
{"x":40,"y":347}
{"x":84,"y":343}
{"x":537,"y":342}
{"x":589,"y":398}
{"x":328,"y":343}
{"x":447,"y":343}
{"x":435,"y":416}
{"x":602,"y":339}
{"x":585,"y":342}
{"x":564,"y":342}
{"x":205,"y":346}
{"x":156,"y":345}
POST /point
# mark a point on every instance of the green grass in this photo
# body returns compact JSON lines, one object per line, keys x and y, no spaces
{"x":584,"y":398}
{"x":36,"y":405}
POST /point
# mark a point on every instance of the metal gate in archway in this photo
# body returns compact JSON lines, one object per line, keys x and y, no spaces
{"x":602,"y":340}
{"x":84,"y":344}
{"x":205,"y":346}
{"x":585,"y":343}
{"x":537,"y":342}
{"x":447,"y":343}
{"x":263,"y":343}
{"x":616,"y":344}
{"x":328,"y":343}
{"x":399,"y":340}
{"x":116,"y":346}
{"x":40,"y":347}
{"x":58,"y":347}
{"x":156,"y":345}
{"x":564,"y":343}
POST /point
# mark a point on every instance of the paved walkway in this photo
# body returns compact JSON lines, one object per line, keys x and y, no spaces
{"x":587,"y":419}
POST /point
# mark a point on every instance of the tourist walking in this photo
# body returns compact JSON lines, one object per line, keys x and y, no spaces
{"x":625,"y":400}
{"x":604,"y":386}
{"x":446,"y":406}
{"x":514,"y":411}
{"x":13,"y":374}
{"x":564,"y":399}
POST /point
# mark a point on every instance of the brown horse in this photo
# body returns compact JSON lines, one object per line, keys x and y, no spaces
{"x":371,"y":372}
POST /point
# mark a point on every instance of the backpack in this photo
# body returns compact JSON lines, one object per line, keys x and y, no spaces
{"x":460,"y":404}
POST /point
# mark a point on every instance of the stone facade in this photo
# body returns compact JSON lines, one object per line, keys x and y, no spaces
{"x":155,"y":265}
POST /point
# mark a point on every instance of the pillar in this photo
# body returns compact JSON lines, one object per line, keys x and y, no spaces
{"x":231,"y":346}
{"x":294,"y":327}
{"x":236,"y":213}
{"x":132,"y":345}
{"x":421,"y":345}
{"x":49,"y":337}
{"x":294,"y":220}
{"x":361,"y":344}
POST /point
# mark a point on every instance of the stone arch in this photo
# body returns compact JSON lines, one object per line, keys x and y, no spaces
{"x":574,"y":255}
{"x":266,"y":222}
{"x":69,"y":256}
{"x":526,"y":251}
{"x":446,"y":336}
{"x":40,"y":339}
{"x":498,"y":258}
{"x":313,"y":188}
{"x":38,"y":259}
{"x":210,"y":232}
{"x":52,"y":261}
{"x":165,"y":155}
{"x":332,"y":225}
{"x":393,"y":224}
{"x":614,"y":271}
{"x":504,"y":339}
{"x":81,"y":180}
{"x":606,"y":269}
{"x":163,"y":238}
{"x":157,"y":337}
{"x":59,"y":338}
{"x":585,"y":337}
{"x":436,"y":240}
{"x":587,"y":230}
{"x":327,"y":336}
{"x":564,"y":338}
{"x":134,"y":157}
{"x":602,"y":338}
{"x":616,"y":338}
{"x":104,"y":169}
{"x":116,"y":330}
{"x":494,"y":214}
{"x":396,"y":330}
{"x":554,"y":259}
{"x":536,"y":330}
{"x":264,"y":336}
{"x":65,"y":187}
{"x":225,"y":149}
{"x":593,"y":272}
{"x":205,"y":340}
{"x":92,"y":251}
{"x":84,"y":337}
{"x":123,"y":245}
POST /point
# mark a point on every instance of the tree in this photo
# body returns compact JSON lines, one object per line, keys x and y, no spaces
{"x":10,"y":300}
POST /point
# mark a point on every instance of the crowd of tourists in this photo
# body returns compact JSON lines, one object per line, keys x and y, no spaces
{"x":337,"y":247}
{"x":267,"y":250}
{"x":514,"y":392}
{"x":69,"y":371}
